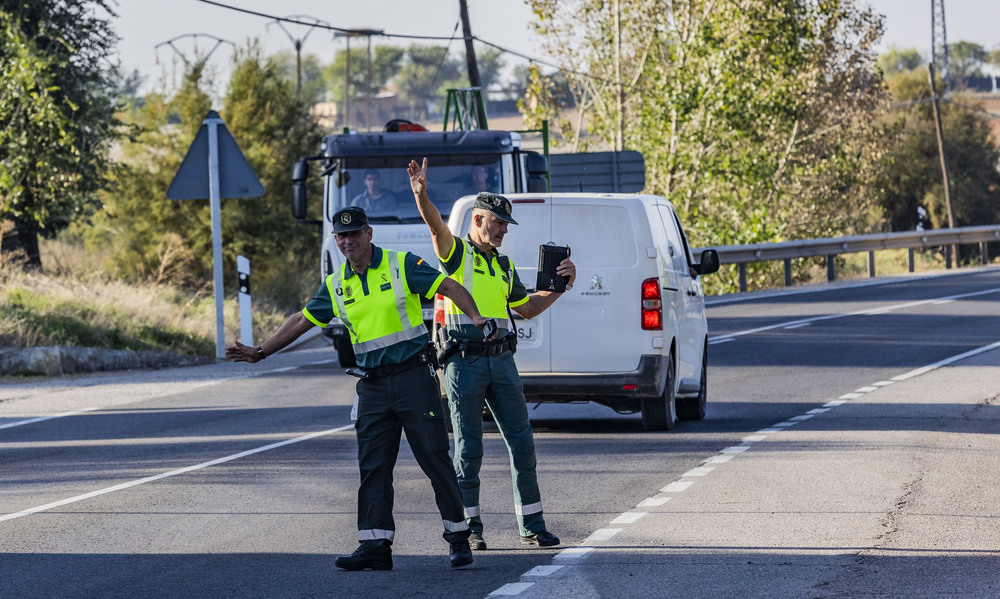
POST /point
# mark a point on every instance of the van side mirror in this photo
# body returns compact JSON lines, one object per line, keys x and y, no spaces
{"x":709,"y":262}
{"x":300,"y":172}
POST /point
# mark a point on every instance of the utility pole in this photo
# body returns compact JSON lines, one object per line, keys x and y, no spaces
{"x":298,"y":45}
{"x":620,"y":91}
{"x":347,"y":35}
{"x":939,"y":43}
{"x":470,"y":52}
{"x":944,"y":157}
{"x":198,"y":63}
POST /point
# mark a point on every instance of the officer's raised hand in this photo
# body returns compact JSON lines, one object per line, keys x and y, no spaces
{"x":566,"y":268}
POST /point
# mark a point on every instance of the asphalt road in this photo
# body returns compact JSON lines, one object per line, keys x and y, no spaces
{"x":849,"y":451}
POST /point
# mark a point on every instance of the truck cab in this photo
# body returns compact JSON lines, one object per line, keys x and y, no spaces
{"x":369,"y":170}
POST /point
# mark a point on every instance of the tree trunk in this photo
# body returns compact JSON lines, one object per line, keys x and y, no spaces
{"x":19,"y":245}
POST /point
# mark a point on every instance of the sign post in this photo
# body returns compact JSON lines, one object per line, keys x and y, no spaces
{"x":246,"y":313}
{"x":215,"y":168}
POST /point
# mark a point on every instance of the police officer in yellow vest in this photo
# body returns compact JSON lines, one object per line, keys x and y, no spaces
{"x":485,"y":370}
{"x":376,"y":293}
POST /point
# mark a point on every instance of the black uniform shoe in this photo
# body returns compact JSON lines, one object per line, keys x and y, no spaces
{"x":376,"y":555}
{"x":460,"y":554}
{"x":476,"y":542}
{"x":542,"y":538}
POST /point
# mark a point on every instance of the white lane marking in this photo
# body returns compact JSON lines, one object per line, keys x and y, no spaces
{"x":699,"y":471}
{"x":573,"y":553}
{"x":724,"y":455}
{"x":510,"y":589}
{"x":44,"y":418}
{"x":720,"y":300}
{"x":542,"y":571}
{"x":677,"y":486}
{"x":768,"y":430}
{"x":653,"y":502}
{"x":797,"y":326}
{"x":602,"y":534}
{"x":866,"y":389}
{"x":945,"y":362}
{"x":629,"y":518}
{"x":163,"y":475}
{"x":869,"y":312}
{"x":850,"y":396}
{"x":186,"y":389}
{"x":718,"y":341}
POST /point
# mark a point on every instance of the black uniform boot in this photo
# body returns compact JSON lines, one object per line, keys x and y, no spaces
{"x":376,"y":555}
{"x":459,"y":554}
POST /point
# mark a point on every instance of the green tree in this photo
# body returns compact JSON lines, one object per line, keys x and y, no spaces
{"x":914,"y":178}
{"x":965,"y":59}
{"x":426,"y":73}
{"x":900,"y":60}
{"x":57,"y":118}
{"x":385,"y":64}
{"x":759,"y":119}
{"x":314,"y":85}
{"x":153,"y":238}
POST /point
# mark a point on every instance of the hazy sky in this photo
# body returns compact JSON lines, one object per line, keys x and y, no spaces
{"x":142,"y":24}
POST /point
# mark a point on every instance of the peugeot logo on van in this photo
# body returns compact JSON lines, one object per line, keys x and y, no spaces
{"x":595,"y":282}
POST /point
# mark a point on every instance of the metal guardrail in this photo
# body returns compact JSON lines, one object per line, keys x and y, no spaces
{"x":834,"y":246}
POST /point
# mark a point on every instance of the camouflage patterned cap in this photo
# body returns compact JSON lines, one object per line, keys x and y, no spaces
{"x":497,"y":204}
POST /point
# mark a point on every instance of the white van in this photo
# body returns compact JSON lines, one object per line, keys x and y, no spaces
{"x":631,"y":334}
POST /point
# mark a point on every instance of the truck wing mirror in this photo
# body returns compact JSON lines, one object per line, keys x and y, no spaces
{"x":300,"y":171}
{"x":709,"y":262}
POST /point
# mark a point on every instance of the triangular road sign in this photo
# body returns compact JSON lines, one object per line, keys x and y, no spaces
{"x":237,"y":178}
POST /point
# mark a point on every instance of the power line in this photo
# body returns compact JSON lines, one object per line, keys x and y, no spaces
{"x":400,"y":35}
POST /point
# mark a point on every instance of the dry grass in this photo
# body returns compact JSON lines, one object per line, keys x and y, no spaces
{"x":73,"y":302}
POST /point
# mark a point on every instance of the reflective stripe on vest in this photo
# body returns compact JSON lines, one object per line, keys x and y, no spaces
{"x":490,"y":292}
{"x":379,"y":331}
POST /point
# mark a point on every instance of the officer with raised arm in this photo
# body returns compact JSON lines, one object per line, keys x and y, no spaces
{"x":376,"y":293}
{"x":484,"y":370}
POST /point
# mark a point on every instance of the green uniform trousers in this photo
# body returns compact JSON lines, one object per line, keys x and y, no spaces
{"x":470,"y":382}
{"x":388,"y":405}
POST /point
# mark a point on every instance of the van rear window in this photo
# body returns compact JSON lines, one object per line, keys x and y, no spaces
{"x":609,"y":231}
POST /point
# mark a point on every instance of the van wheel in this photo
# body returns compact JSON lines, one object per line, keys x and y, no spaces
{"x":660,"y":413}
{"x":345,"y":353}
{"x":693,"y":408}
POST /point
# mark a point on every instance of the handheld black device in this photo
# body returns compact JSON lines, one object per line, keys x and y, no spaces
{"x":549,"y":257}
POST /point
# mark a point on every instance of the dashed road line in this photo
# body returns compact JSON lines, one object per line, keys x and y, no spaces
{"x":726,"y":454}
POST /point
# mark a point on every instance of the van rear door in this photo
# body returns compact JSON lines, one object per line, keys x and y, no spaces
{"x":598,"y":322}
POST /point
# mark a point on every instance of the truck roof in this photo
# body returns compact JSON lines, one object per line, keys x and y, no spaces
{"x":414,"y":143}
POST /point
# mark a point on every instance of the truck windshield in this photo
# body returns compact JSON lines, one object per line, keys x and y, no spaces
{"x":381,"y":186}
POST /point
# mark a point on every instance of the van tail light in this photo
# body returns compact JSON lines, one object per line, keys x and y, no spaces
{"x":438,"y":310}
{"x":652,"y":305}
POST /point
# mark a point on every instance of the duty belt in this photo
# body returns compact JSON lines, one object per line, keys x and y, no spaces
{"x":492,"y":348}
{"x":413,"y":361}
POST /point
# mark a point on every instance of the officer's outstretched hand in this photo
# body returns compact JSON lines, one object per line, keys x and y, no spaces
{"x":242,"y":353}
{"x":418,"y":177}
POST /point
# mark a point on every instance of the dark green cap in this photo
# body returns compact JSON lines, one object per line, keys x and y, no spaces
{"x":351,"y":218}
